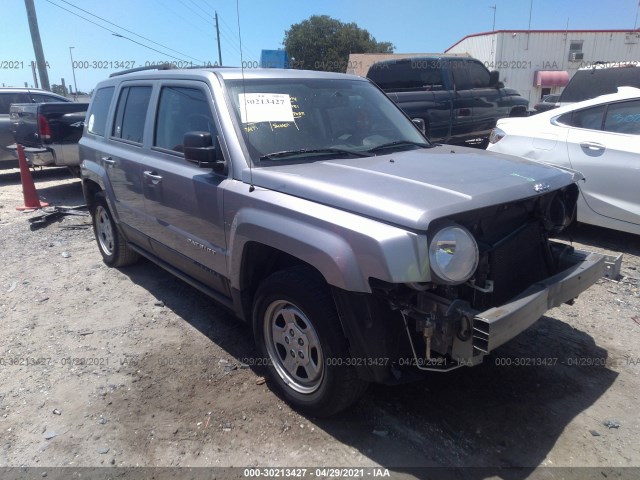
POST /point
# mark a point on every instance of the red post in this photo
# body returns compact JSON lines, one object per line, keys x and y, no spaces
{"x":31,"y":200}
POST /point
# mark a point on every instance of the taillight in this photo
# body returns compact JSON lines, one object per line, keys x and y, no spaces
{"x":44,"y":130}
{"x":496,"y":135}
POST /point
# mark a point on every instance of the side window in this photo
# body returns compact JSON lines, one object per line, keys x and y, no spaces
{"x":7,"y":98}
{"x":478,"y":75}
{"x":417,"y":73}
{"x":623,"y":117}
{"x":131,"y":113}
{"x":590,"y":118}
{"x":460,"y":74}
{"x":181,"y":110}
{"x":97,"y":118}
{"x":40,"y":98}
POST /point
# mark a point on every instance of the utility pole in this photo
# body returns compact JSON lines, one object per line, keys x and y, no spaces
{"x":529,"y":30}
{"x":493,"y":29}
{"x":495,"y":7}
{"x":73,"y":69}
{"x":218,"y":36}
{"x":35,"y":77}
{"x":37,"y":44}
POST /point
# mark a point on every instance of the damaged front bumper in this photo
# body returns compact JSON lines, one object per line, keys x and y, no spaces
{"x":496,"y":326}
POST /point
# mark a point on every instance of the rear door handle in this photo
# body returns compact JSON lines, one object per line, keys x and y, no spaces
{"x":592,"y":146}
{"x":153,"y":176}
{"x":108,"y":160}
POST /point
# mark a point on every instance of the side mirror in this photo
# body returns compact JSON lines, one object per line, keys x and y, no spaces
{"x":519,"y":111}
{"x":494,"y":79}
{"x":199,"y":149}
{"x":420,"y":123}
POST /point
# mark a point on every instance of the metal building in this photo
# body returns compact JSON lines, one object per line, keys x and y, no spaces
{"x":539,"y":62}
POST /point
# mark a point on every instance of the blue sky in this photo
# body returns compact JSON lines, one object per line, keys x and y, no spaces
{"x":187,"y":27}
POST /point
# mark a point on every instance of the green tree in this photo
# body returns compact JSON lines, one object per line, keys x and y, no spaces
{"x":324,"y":43}
{"x":55,"y":88}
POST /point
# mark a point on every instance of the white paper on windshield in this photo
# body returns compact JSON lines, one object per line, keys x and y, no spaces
{"x":265,"y":107}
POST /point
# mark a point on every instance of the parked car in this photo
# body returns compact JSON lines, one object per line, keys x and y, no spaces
{"x":548,"y":102}
{"x":49,"y":132}
{"x":600,"y":79}
{"x":457,"y":98}
{"x":9,"y":95}
{"x":311,"y":206}
{"x":598,"y":137}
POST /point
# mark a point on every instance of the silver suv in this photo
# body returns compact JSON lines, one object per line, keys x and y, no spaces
{"x":313,"y":208}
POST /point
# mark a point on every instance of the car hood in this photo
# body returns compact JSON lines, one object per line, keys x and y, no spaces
{"x":413,"y":188}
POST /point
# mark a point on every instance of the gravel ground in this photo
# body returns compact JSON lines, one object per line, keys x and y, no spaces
{"x":103,"y":367}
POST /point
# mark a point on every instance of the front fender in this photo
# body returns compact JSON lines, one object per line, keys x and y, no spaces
{"x":347,"y":249}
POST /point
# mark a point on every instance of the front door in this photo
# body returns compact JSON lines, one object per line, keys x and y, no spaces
{"x":184,"y":200}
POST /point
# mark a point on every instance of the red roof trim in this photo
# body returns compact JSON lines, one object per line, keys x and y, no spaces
{"x":539,"y":31}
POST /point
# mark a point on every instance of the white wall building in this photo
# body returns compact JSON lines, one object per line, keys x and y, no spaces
{"x":539,"y":62}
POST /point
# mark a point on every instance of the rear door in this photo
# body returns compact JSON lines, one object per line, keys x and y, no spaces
{"x":125,"y":153}
{"x":185,"y":201}
{"x":603,"y":143}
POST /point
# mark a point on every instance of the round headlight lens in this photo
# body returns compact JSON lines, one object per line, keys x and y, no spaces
{"x":453,"y":253}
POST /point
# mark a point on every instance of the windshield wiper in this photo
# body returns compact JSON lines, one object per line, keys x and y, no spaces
{"x":399,"y":143}
{"x":317,"y":151}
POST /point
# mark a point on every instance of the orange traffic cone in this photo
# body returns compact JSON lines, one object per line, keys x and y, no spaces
{"x":31,"y":200}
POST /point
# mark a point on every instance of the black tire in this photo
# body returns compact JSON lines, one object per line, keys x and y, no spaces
{"x":112,"y":245}
{"x":75,"y":171}
{"x":294,"y":307}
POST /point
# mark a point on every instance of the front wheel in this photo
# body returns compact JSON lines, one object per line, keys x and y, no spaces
{"x":298,"y":332}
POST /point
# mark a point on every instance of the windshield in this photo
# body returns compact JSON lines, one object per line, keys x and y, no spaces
{"x":308,"y":119}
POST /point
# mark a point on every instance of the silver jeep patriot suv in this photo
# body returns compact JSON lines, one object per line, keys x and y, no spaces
{"x":311,"y":206}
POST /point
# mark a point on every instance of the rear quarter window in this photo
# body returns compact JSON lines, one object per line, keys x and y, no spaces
{"x":97,"y":117}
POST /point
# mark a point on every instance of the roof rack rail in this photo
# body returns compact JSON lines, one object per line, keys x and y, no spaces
{"x":162,"y":66}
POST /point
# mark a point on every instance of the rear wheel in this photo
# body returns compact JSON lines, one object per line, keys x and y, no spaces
{"x":297,"y":330}
{"x":112,"y":245}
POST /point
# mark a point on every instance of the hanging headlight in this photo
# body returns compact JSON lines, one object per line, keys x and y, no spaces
{"x":453,"y":255}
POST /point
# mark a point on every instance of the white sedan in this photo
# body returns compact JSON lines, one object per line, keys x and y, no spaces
{"x":598,"y":137}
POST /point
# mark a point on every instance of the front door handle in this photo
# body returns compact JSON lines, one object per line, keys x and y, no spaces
{"x":153,"y":176}
{"x":108,"y":160}
{"x":592,"y":146}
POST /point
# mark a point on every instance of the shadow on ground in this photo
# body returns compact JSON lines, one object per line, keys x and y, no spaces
{"x":604,"y":238}
{"x":502,"y":417}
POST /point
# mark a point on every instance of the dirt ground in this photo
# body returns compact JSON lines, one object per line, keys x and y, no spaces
{"x":102,"y":367}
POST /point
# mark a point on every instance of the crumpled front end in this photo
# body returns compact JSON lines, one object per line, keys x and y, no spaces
{"x":518,"y":274}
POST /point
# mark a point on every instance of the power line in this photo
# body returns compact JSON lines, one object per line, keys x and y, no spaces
{"x":205,"y":19}
{"x":112,"y":32}
{"x":183,"y":18}
{"x":128,"y":31}
{"x":196,"y":4}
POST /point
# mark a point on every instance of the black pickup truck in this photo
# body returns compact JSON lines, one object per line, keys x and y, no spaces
{"x":49,"y":132}
{"x":458,"y":99}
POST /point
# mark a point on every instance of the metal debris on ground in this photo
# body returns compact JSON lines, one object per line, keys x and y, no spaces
{"x":56,"y":213}
{"x":611,"y":423}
